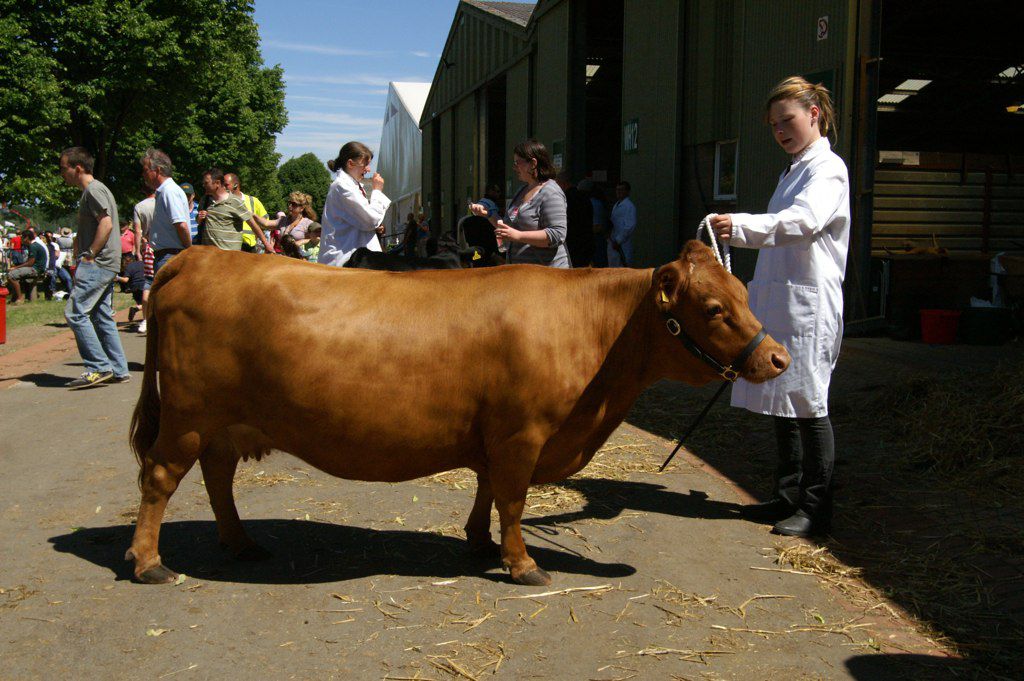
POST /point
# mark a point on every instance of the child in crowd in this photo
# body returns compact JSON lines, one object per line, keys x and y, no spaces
{"x":133,"y":277}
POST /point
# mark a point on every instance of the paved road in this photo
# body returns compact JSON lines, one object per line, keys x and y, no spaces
{"x":370,"y":580}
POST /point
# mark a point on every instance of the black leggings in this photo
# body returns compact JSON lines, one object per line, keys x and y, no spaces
{"x":807,"y":454}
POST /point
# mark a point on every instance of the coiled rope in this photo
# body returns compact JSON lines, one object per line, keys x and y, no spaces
{"x":705,"y":225}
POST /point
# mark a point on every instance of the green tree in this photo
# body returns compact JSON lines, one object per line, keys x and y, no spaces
{"x":185,"y":76}
{"x":306,"y":174}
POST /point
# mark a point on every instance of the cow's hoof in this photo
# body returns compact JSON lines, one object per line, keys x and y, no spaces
{"x":253,"y":553}
{"x":157,"y":574}
{"x":535,"y":577}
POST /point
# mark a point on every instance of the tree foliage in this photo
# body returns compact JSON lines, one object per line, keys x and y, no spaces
{"x":306,"y":174}
{"x":117,"y":76}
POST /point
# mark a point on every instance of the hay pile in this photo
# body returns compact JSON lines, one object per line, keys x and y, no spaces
{"x":960,"y":424}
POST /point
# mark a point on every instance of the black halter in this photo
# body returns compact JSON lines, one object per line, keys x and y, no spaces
{"x":729,"y":372}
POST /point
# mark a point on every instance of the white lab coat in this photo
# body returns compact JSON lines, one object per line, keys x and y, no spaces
{"x":350,"y":220}
{"x":797,"y":290}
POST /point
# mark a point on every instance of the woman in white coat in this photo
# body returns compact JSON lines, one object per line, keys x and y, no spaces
{"x":797,"y":293}
{"x":351,"y":220}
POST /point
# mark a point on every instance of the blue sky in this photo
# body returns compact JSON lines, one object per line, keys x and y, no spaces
{"x":338,"y":57}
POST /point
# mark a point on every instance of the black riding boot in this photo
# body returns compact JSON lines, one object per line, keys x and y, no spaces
{"x":815,"y":461}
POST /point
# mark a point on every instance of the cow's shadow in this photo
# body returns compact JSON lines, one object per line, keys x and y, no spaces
{"x":306,"y":552}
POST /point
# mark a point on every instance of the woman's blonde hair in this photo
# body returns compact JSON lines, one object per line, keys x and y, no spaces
{"x":306,"y":202}
{"x":808,"y":95}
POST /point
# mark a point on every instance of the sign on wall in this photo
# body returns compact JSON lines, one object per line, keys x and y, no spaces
{"x":631,"y":136}
{"x":822,"y":28}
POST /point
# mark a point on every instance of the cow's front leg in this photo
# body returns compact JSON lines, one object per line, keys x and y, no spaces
{"x":510,"y":480}
{"x":478,"y":526}
{"x":163,"y":467}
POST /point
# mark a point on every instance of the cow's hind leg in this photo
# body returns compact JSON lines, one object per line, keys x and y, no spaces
{"x":163,"y":467}
{"x":510,"y":480}
{"x":478,"y":526}
{"x":219,"y":461}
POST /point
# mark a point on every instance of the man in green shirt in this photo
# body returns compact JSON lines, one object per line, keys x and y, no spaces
{"x":225,"y":217}
{"x":34,"y":266}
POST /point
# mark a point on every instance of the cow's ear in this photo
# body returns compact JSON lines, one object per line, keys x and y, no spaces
{"x":671,"y":281}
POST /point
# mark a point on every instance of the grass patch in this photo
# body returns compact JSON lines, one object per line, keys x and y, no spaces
{"x":44,"y":312}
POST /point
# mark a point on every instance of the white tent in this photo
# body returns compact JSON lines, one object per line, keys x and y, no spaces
{"x":399,"y":159}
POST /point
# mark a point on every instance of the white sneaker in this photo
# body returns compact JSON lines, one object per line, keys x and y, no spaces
{"x":142,"y":327}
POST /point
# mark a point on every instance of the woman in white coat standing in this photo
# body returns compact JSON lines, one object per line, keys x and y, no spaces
{"x":797,"y":293}
{"x":351,"y":220}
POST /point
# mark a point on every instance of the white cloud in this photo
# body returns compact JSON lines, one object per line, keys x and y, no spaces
{"x":331,"y":101}
{"x":375,"y":81}
{"x":420,"y":53}
{"x":321,"y":49}
{"x":324,"y":119}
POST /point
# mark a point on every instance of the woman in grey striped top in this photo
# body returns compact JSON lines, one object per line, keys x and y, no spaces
{"x":534,"y":227}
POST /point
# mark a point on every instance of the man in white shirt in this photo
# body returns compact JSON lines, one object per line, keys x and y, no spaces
{"x":168,"y":233}
{"x":620,"y":241}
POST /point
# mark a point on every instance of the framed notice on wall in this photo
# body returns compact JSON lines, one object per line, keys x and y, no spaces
{"x":631,"y":136}
{"x":727,"y":159}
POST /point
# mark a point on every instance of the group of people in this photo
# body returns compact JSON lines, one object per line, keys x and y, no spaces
{"x":550,"y":221}
{"x":796,"y":291}
{"x":39,"y":258}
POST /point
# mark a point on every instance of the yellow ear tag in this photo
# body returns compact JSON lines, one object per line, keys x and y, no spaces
{"x":476,"y":255}
{"x":664,"y":298}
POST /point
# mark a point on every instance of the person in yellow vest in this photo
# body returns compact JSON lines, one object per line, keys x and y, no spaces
{"x":255,"y":207}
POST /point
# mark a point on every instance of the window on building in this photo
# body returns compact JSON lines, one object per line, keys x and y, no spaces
{"x":727,"y":158}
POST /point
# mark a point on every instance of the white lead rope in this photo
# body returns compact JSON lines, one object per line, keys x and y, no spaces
{"x":705,"y":224}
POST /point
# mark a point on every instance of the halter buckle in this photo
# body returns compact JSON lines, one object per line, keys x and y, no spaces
{"x":730,"y":374}
{"x":673,"y":326}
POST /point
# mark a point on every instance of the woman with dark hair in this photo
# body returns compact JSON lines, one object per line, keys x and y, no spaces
{"x":352,"y":219}
{"x":534,"y":227}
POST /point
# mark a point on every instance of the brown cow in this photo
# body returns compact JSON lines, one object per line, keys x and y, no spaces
{"x":539,"y":367}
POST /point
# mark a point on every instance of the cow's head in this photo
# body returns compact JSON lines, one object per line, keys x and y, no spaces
{"x":711,"y":307}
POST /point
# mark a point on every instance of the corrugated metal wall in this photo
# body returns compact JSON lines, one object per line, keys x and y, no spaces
{"x":479,"y":47}
{"x":517,"y":113}
{"x":960,"y":212}
{"x":551,"y":81}
{"x":649,"y":95}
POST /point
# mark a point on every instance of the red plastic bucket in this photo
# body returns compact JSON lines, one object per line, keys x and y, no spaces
{"x":938,"y":327}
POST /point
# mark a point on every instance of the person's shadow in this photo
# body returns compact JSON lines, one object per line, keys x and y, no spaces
{"x":42,"y":380}
{"x":606,"y":499}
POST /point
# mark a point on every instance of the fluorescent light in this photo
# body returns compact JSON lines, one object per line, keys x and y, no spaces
{"x":592,"y":70}
{"x":1011,"y":72}
{"x":912,"y":84}
{"x":891,"y":99}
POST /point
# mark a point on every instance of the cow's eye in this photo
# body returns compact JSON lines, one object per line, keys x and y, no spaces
{"x":714,"y":310}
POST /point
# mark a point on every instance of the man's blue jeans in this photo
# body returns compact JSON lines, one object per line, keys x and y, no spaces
{"x":60,"y":274}
{"x":91,"y":317}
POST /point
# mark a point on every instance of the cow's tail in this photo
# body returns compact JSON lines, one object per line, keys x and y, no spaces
{"x":146,"y":418}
